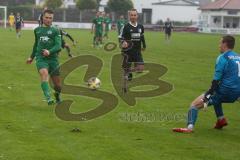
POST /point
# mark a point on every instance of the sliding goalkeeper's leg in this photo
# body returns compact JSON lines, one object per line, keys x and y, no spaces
{"x":197,"y":104}
{"x":221,"y":120}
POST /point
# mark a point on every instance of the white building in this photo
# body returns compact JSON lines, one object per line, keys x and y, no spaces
{"x":66,"y":3}
{"x":176,"y":10}
{"x":222,"y":16}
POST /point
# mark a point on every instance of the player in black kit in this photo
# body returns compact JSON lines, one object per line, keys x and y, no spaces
{"x":65,"y":44}
{"x":168,"y":29}
{"x":18,"y":23}
{"x":132,"y":42}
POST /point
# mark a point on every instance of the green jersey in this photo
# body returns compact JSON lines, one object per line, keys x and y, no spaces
{"x":107,"y":22}
{"x":121,"y":23}
{"x":48,"y":38}
{"x":98,"y":21}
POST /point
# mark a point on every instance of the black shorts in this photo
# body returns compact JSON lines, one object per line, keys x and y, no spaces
{"x":168,"y":33}
{"x":129,"y":58}
{"x":18,"y":26}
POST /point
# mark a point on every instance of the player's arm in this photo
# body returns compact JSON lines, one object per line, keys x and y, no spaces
{"x":57,"y":45}
{"x":22,"y":21}
{"x":70,"y":37}
{"x":34,"y":50}
{"x":93,"y":26}
{"x":219,"y":68}
{"x":58,"y":42}
{"x":110,"y":25}
{"x":67,"y":35}
{"x":143,"y":39}
{"x":123,"y":37}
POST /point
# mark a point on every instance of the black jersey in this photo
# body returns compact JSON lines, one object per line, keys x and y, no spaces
{"x":168,"y":26}
{"x":18,"y":20}
{"x":135,"y":34}
{"x":40,"y":19}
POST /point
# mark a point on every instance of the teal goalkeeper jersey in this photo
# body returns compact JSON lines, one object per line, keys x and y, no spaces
{"x":48,"y":38}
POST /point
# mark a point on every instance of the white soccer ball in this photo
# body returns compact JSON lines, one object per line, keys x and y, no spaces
{"x":94,"y":83}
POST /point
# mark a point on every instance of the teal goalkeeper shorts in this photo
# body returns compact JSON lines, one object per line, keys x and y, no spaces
{"x":52,"y":65}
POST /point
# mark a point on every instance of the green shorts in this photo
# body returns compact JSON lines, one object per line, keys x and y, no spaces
{"x":52,"y":65}
{"x":98,"y":34}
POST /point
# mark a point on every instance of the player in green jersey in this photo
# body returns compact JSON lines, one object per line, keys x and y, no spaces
{"x":108,"y":25}
{"x":46,"y":48}
{"x":97,"y":29}
{"x":120,"y":23}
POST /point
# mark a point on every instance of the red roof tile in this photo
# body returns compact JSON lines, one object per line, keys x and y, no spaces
{"x":222,"y":4}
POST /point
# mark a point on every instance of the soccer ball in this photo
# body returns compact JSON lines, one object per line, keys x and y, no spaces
{"x":94,"y":83}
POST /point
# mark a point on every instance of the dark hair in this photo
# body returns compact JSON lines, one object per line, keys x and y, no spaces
{"x":229,"y":40}
{"x":48,"y":11}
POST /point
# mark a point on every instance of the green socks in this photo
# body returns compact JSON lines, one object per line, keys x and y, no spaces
{"x":46,"y":90}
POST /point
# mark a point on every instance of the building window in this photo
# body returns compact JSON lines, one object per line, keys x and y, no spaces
{"x":232,"y":12}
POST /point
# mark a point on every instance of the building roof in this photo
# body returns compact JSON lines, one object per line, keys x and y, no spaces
{"x":222,"y":5}
{"x":177,"y":3}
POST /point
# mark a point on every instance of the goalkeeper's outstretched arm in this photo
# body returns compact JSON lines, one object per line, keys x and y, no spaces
{"x":212,"y":89}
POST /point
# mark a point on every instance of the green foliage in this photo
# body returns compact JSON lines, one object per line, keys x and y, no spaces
{"x":53,"y":4}
{"x":87,"y":4}
{"x":120,"y":6}
{"x":11,"y":3}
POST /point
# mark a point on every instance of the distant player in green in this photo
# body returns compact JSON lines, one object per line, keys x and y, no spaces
{"x":120,"y":24}
{"x":108,"y":25}
{"x":97,"y":29}
{"x":46,"y":48}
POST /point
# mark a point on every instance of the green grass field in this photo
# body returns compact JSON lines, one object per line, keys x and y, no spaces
{"x":29,"y":129}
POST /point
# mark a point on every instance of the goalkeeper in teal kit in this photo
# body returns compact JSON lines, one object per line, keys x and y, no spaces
{"x":225,"y":86}
{"x":45,"y":50}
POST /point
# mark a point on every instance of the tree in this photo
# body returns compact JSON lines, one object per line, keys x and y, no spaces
{"x":53,"y":4}
{"x":86,"y":4}
{"x":120,"y":6}
{"x":98,"y":3}
{"x":16,"y":2}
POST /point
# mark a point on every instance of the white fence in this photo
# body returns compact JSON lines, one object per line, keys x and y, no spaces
{"x":234,"y":31}
{"x":31,"y":26}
